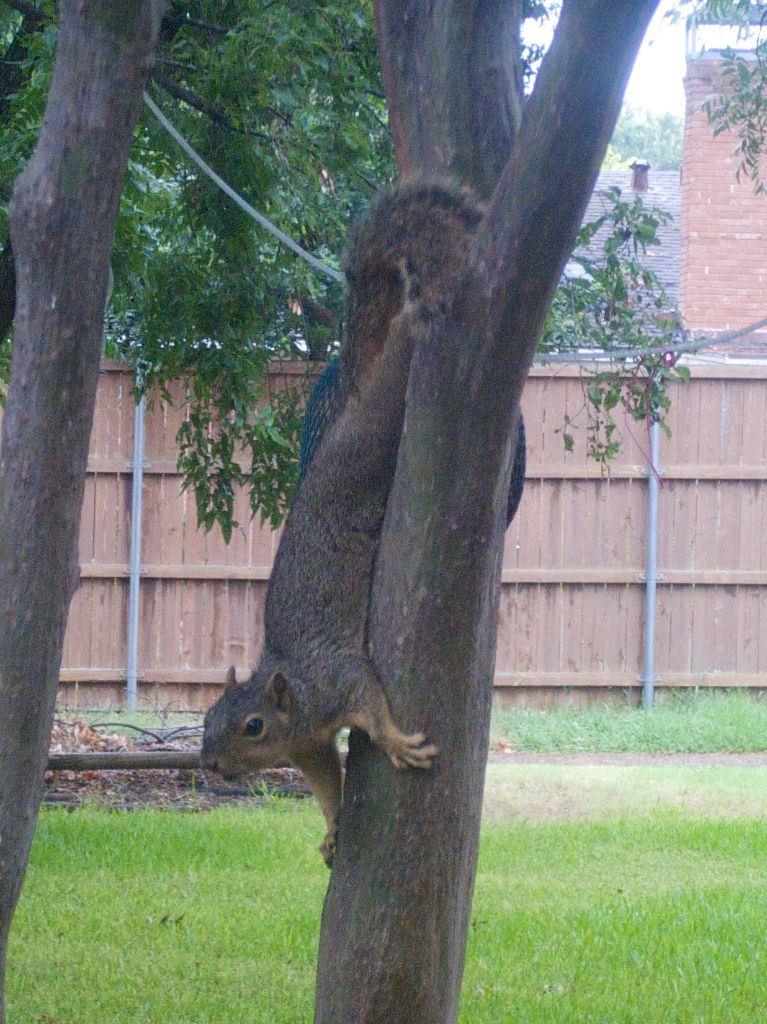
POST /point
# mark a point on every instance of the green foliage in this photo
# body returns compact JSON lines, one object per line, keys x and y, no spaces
{"x":616,"y":303}
{"x":215,"y":917}
{"x":644,"y":135}
{"x":285,"y":101}
{"x":741,"y":108}
{"x":726,"y":12}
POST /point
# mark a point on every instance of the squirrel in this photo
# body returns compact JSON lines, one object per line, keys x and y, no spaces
{"x":315,"y":676}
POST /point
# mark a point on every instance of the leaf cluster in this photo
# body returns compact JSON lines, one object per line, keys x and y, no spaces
{"x":741,"y":105}
{"x":741,"y":108}
{"x":285,"y":102}
{"x":612,"y":301}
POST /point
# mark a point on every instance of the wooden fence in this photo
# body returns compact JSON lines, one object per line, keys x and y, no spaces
{"x":573,"y":589}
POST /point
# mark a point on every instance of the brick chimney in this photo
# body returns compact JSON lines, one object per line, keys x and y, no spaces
{"x":723,"y":273}
{"x":640,"y":176}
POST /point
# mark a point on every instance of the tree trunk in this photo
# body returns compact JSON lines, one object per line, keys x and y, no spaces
{"x":62,"y":228}
{"x":396,"y":915}
{"x":452,"y":71}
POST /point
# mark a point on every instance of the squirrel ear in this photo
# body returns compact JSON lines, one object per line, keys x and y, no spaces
{"x":231,"y":678}
{"x":278,"y":693}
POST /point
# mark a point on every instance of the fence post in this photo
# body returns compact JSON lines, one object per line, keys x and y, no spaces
{"x":131,"y":695}
{"x":651,"y":575}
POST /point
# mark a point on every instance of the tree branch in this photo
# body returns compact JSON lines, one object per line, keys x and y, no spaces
{"x":455,"y":110}
{"x":192,"y":99}
{"x":568,"y":121}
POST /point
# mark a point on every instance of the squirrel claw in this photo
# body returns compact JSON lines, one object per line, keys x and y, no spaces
{"x":328,"y":847}
{"x":412,"y":752}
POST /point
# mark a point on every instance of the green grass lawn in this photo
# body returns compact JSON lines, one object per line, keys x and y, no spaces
{"x":693,"y":721}
{"x":621,"y":912}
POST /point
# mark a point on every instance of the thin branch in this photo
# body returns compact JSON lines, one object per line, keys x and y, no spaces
{"x":533,"y":220}
{"x":372,"y":185}
{"x":178,"y":65}
{"x":375,"y":115}
{"x":192,"y":99}
{"x":177,"y":21}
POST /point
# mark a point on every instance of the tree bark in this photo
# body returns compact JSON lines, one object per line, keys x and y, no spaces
{"x":111,"y":761}
{"x":396,"y":915}
{"x":453,"y":77}
{"x":62,"y":217}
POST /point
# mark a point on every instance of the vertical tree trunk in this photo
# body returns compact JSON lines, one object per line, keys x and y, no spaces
{"x":396,"y":915}
{"x":453,"y":77}
{"x":62,"y":227}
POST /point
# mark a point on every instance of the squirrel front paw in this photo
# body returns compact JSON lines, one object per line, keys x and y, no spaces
{"x":328,"y":847}
{"x":410,"y":751}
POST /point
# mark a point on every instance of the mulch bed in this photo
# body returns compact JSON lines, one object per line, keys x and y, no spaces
{"x":177,"y":789}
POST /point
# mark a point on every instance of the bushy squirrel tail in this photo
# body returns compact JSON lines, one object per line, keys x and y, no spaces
{"x":411,"y":245}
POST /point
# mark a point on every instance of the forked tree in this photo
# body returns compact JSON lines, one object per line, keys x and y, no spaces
{"x":397,"y":910}
{"x":396,"y":915}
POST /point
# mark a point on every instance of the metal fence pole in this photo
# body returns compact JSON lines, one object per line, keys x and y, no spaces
{"x":651,"y":576}
{"x":131,"y":696}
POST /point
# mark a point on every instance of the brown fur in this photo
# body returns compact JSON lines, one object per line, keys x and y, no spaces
{"x":315,"y":676}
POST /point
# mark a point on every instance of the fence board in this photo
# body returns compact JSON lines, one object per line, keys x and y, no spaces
{"x":573,"y":594}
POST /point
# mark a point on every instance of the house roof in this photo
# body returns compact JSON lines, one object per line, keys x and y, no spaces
{"x":665,"y":192}
{"x":665,"y":259}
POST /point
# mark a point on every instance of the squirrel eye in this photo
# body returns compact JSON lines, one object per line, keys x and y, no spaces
{"x":254,"y":727}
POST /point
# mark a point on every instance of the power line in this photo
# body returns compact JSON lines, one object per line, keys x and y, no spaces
{"x":654,"y":350}
{"x":235,"y":197}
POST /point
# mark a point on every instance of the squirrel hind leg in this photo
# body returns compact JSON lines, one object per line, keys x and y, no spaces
{"x":373,"y":715}
{"x":321,"y":766}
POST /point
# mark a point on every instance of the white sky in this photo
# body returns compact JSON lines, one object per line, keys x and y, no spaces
{"x":656,"y":82}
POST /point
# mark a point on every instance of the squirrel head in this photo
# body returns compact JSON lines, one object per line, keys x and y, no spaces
{"x":248,"y":727}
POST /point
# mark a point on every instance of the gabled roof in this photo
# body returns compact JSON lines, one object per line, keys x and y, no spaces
{"x":665,"y":192}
